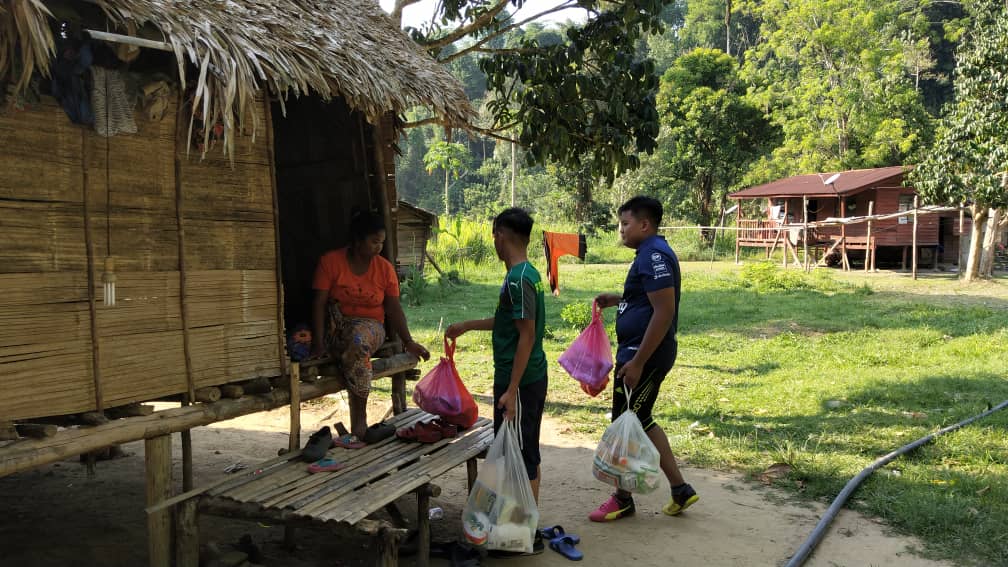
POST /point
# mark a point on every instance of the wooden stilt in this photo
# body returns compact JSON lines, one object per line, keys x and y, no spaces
{"x":805,"y":230}
{"x":471,"y":473}
{"x":187,"y":542}
{"x":294,"y":442}
{"x":868,"y":247}
{"x":423,"y":527}
{"x":157,"y":454}
{"x":187,"y":460}
{"x":913,"y":266}
{"x":398,"y":393}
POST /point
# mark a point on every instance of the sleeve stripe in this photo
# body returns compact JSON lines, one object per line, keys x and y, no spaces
{"x":522,"y":285}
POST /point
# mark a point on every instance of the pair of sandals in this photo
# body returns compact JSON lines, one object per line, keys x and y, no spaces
{"x":562,"y":542}
{"x":427,"y":431}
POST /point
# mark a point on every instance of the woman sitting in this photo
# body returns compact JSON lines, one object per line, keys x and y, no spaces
{"x":361,"y":290}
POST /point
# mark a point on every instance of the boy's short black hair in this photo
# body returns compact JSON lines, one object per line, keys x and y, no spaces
{"x":516,"y":220}
{"x":641,"y":206}
{"x":363,"y":224}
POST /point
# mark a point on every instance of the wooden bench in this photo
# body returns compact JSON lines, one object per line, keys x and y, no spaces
{"x":373,"y":478}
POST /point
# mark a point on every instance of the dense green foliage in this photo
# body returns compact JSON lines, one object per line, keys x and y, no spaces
{"x":685,"y":100}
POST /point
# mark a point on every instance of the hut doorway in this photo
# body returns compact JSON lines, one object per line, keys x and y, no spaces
{"x":323,"y":173}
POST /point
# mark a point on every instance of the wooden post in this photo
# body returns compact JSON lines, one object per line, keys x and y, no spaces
{"x":844,"y":261}
{"x":738,"y":231}
{"x":295,"y":407}
{"x":157,"y":455}
{"x":869,"y":254}
{"x":805,"y":229}
{"x":89,"y":245}
{"x":398,"y":393}
{"x":187,"y":543}
{"x":423,"y":526}
{"x":471,"y":473}
{"x":913,"y":268}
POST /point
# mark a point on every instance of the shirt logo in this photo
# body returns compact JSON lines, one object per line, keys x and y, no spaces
{"x":622,"y":307}
{"x":656,"y":257}
{"x":660,"y":269}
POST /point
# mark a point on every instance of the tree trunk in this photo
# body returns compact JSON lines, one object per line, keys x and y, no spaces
{"x":990,"y":243}
{"x":979,"y":214}
{"x":446,"y":192}
{"x":582,"y":203}
{"x":704,"y":202}
{"x":727,"y":24}
{"x":514,"y":171}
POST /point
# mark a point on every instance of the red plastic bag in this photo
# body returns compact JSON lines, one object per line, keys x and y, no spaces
{"x":442,"y":392}
{"x":589,"y":359}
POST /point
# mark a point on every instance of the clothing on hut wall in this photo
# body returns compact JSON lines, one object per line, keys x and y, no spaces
{"x":561,"y":244}
{"x":113,"y":107}
{"x":71,"y":80}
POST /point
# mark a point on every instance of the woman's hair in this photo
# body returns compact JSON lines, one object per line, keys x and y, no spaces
{"x":363,"y":224}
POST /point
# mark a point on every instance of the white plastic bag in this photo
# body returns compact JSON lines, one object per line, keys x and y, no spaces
{"x":501,"y":512}
{"x":626,"y":458}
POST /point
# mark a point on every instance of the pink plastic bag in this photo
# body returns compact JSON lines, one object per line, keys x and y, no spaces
{"x":589,"y":359}
{"x":442,"y":392}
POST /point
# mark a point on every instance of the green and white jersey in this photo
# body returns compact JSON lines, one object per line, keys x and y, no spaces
{"x":521,"y":297}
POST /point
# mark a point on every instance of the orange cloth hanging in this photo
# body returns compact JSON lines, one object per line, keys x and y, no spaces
{"x":561,"y":244}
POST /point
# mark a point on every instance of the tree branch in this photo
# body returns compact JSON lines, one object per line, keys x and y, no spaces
{"x":483,"y":41}
{"x":465,"y":30}
{"x":396,"y":14}
{"x":490,"y":133}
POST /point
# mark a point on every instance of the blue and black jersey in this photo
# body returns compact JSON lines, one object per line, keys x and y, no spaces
{"x":655,"y":267}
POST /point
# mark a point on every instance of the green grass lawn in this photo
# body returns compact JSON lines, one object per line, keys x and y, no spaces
{"x":824,"y":372}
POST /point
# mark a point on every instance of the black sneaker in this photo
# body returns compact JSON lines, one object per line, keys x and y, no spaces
{"x":317,"y":445}
{"x":680,"y":500}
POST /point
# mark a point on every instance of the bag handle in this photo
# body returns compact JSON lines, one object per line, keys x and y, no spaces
{"x":449,"y":349}
{"x":596,"y":311}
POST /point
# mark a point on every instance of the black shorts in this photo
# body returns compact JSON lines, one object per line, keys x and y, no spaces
{"x":643,"y":397}
{"x":531,"y":402}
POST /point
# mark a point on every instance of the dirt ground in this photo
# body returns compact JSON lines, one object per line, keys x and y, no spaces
{"x":57,"y":516}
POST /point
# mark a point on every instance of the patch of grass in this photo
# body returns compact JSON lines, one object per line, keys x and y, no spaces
{"x":824,"y":376}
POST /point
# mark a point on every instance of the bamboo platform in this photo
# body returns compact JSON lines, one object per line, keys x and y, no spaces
{"x":373,"y":478}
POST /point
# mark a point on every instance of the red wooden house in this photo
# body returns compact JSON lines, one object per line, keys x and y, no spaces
{"x":841,"y":197}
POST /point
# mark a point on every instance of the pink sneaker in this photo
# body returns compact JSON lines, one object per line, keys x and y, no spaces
{"x":613,"y":509}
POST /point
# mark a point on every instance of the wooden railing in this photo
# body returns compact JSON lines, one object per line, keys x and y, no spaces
{"x":757,"y":230}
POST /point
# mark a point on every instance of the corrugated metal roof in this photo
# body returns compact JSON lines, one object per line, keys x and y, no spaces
{"x":812,"y":184}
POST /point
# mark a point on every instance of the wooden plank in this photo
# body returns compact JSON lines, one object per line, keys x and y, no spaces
{"x":67,"y":443}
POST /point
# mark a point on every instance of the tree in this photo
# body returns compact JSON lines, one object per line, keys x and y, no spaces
{"x":712,"y":133}
{"x":969,"y":161}
{"x":833,"y":75}
{"x":452,"y":157}
{"x":585,"y":101}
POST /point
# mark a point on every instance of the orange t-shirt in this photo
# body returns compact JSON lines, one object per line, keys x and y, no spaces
{"x":358,"y":296}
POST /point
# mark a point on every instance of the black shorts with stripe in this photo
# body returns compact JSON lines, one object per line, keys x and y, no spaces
{"x":530,"y":405}
{"x":644,"y":396}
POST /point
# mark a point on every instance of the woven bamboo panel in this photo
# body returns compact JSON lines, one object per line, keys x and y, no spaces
{"x":41,"y":154}
{"x":146,"y":302}
{"x":41,"y":237}
{"x":225,"y":353}
{"x":142,"y":366}
{"x":45,"y":344}
{"x":47,"y":166}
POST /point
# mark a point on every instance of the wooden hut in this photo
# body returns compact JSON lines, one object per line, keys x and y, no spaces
{"x":786,"y":204}
{"x":259,"y":126}
{"x":414,"y":229}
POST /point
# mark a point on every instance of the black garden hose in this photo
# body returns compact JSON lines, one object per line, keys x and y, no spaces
{"x":817,"y":534}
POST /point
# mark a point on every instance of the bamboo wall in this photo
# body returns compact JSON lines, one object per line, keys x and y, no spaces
{"x":131,"y":183}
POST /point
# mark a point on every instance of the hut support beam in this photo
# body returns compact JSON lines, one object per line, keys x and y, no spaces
{"x":32,"y":453}
{"x":187,"y":534}
{"x":157,"y":455}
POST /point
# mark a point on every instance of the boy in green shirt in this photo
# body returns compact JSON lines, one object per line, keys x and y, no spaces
{"x":517,"y":326}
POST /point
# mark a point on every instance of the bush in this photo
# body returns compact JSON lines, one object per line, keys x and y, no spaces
{"x":577,"y":315}
{"x":768,"y":276}
{"x":413,"y":288}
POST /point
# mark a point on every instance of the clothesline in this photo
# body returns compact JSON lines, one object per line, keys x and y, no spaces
{"x":830,"y":221}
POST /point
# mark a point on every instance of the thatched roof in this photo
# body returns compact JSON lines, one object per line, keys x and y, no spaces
{"x":330,"y":48}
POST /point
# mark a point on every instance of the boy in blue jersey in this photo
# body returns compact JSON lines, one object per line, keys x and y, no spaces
{"x":646,"y":323}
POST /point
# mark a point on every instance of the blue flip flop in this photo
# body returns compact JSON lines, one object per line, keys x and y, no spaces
{"x":564,"y":545}
{"x":554,"y":532}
